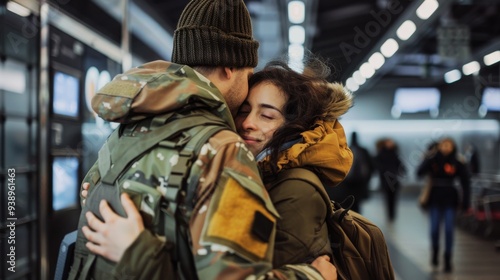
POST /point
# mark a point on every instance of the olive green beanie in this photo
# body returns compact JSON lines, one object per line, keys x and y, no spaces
{"x":215,"y":33}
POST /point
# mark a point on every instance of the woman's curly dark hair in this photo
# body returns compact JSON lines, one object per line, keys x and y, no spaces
{"x":310,"y":97}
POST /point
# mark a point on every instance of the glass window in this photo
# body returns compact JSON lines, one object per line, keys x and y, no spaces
{"x":16,"y":143}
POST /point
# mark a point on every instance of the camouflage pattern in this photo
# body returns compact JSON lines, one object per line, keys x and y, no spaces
{"x":229,"y":190}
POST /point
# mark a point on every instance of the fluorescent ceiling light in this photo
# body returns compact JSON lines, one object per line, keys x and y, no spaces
{"x":296,"y":12}
{"x":358,"y":78}
{"x":492,"y":58}
{"x":366,"y":70}
{"x":18,"y":9}
{"x":427,"y":8}
{"x":471,"y":68}
{"x":296,"y":52}
{"x":376,"y":60}
{"x":389,"y":47}
{"x":406,"y":30}
{"x":297,"y":34}
{"x":452,"y":76}
{"x":297,"y":66}
{"x":351,"y":84}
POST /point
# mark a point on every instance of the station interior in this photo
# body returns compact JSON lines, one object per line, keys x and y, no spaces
{"x":419,"y":70}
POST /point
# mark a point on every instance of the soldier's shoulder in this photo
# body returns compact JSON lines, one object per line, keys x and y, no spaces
{"x":225,"y":137}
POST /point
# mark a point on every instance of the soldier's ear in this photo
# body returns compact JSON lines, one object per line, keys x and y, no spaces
{"x":228,"y":72}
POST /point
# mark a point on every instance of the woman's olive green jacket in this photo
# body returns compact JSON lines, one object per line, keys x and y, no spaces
{"x":302,"y":232}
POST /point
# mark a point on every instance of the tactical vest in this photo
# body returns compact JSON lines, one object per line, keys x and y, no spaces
{"x":178,"y":136}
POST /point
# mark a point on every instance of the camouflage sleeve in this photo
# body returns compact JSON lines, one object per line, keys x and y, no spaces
{"x":233,"y":224}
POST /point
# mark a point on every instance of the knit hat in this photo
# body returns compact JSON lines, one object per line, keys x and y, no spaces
{"x":215,"y":33}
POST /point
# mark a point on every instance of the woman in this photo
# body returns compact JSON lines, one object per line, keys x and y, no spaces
{"x":443,"y":167}
{"x":289,"y":120}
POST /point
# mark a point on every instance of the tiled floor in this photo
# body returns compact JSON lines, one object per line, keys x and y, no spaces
{"x":475,"y":258}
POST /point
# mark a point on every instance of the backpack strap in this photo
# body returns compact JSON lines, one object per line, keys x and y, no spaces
{"x":337,"y":209}
{"x":182,"y":193}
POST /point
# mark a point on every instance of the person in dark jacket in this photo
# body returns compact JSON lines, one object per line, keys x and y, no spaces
{"x":390,"y":169}
{"x":358,"y":179}
{"x":444,"y":168}
{"x":473,"y":159}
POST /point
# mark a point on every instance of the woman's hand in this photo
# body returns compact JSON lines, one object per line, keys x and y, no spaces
{"x":112,"y":237}
{"x":325,"y":267}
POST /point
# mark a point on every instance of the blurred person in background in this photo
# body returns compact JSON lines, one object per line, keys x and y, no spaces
{"x":444,"y":168}
{"x":357,"y":181}
{"x":390,"y":169}
{"x":472,"y":158}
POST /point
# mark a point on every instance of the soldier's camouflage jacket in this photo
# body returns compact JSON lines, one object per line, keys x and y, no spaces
{"x":229,"y":194}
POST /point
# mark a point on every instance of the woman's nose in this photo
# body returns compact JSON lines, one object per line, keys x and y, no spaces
{"x":249,"y":123}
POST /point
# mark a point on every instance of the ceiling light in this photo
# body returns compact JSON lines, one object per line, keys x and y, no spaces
{"x":471,"y":68}
{"x":351,"y":85}
{"x":366,"y":70}
{"x":427,"y":8}
{"x":18,"y":9}
{"x":296,"y":34}
{"x":297,"y":66}
{"x":376,"y":60}
{"x":452,"y":76}
{"x":389,"y":47}
{"x":406,"y":30}
{"x":358,"y":78}
{"x":296,"y":12}
{"x":296,"y":52}
{"x":492,"y":58}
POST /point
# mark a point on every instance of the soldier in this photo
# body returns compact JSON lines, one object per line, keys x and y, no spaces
{"x":232,"y":223}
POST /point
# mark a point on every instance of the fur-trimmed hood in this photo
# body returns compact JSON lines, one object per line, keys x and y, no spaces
{"x":324,"y":148}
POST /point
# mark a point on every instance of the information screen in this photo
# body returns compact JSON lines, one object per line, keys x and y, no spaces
{"x":66,"y":94}
{"x":65,"y":183}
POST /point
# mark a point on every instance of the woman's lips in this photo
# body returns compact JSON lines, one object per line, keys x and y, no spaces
{"x":249,"y":139}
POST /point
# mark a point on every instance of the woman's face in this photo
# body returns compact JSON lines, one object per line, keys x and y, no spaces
{"x":446,"y":147}
{"x":260,"y":115}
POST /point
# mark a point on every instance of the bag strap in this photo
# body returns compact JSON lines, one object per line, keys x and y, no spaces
{"x":177,"y":227}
